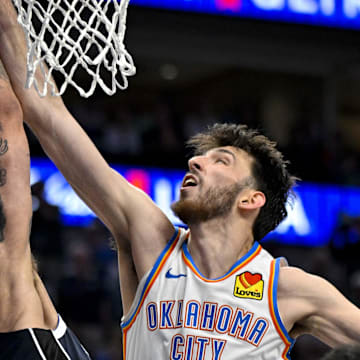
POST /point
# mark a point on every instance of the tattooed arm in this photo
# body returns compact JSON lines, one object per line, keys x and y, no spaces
{"x":139,"y":226}
{"x":4,"y":149}
{"x":15,"y":197}
{"x":24,"y":300}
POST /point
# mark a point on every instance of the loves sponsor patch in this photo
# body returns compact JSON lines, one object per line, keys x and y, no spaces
{"x":249,"y":286}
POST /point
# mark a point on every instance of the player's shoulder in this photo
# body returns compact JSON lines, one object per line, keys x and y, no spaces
{"x":294,"y":281}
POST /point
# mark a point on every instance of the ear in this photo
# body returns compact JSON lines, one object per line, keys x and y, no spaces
{"x":252,"y":200}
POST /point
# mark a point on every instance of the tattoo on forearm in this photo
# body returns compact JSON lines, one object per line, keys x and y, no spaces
{"x":2,"y":177}
{"x":2,"y":221}
{"x":3,"y":146}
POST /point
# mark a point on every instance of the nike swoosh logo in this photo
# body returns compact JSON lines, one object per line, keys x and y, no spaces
{"x":169,"y":275}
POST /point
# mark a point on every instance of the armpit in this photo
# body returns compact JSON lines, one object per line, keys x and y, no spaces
{"x":298,"y":330}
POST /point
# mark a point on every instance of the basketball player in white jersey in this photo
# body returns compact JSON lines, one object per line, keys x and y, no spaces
{"x":211,"y":292}
{"x":30,"y":328}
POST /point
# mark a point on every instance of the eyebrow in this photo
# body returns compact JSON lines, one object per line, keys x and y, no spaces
{"x":226,"y":152}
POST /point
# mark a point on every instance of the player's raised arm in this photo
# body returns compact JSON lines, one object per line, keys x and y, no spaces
{"x":15,"y":215}
{"x":316,"y":307}
{"x":128,"y":212}
{"x":15,"y":196}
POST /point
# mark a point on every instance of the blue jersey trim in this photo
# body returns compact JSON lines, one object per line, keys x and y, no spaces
{"x":151,"y":275}
{"x":237,"y":263}
{"x":276,"y":309}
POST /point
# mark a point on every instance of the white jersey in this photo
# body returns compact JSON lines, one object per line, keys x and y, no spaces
{"x":178,"y":314}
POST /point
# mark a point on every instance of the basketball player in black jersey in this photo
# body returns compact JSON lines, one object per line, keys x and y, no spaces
{"x":30,"y":328}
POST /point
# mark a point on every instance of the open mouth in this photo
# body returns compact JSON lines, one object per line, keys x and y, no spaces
{"x":189,"y":181}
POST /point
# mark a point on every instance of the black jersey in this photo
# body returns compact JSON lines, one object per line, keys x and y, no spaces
{"x":41,"y":344}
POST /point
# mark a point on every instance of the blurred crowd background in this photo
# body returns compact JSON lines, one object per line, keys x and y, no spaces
{"x":297,"y":84}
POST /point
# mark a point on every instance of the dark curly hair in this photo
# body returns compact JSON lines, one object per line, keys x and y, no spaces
{"x":269,"y":169}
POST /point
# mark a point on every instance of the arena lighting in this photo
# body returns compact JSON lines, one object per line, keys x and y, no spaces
{"x":333,"y":13}
{"x":313,"y":215}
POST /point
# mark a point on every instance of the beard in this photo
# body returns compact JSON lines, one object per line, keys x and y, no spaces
{"x":214,"y":203}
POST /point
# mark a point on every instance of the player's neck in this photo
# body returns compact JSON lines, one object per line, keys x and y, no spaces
{"x":217,"y":244}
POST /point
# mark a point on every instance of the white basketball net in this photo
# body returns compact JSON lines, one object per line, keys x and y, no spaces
{"x":76,"y":37}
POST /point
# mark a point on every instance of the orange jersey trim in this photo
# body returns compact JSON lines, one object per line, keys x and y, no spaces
{"x":253,"y":252}
{"x":274,"y":312}
{"x":149,"y":283}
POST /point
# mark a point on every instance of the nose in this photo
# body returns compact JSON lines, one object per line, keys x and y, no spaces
{"x":196,"y":163}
